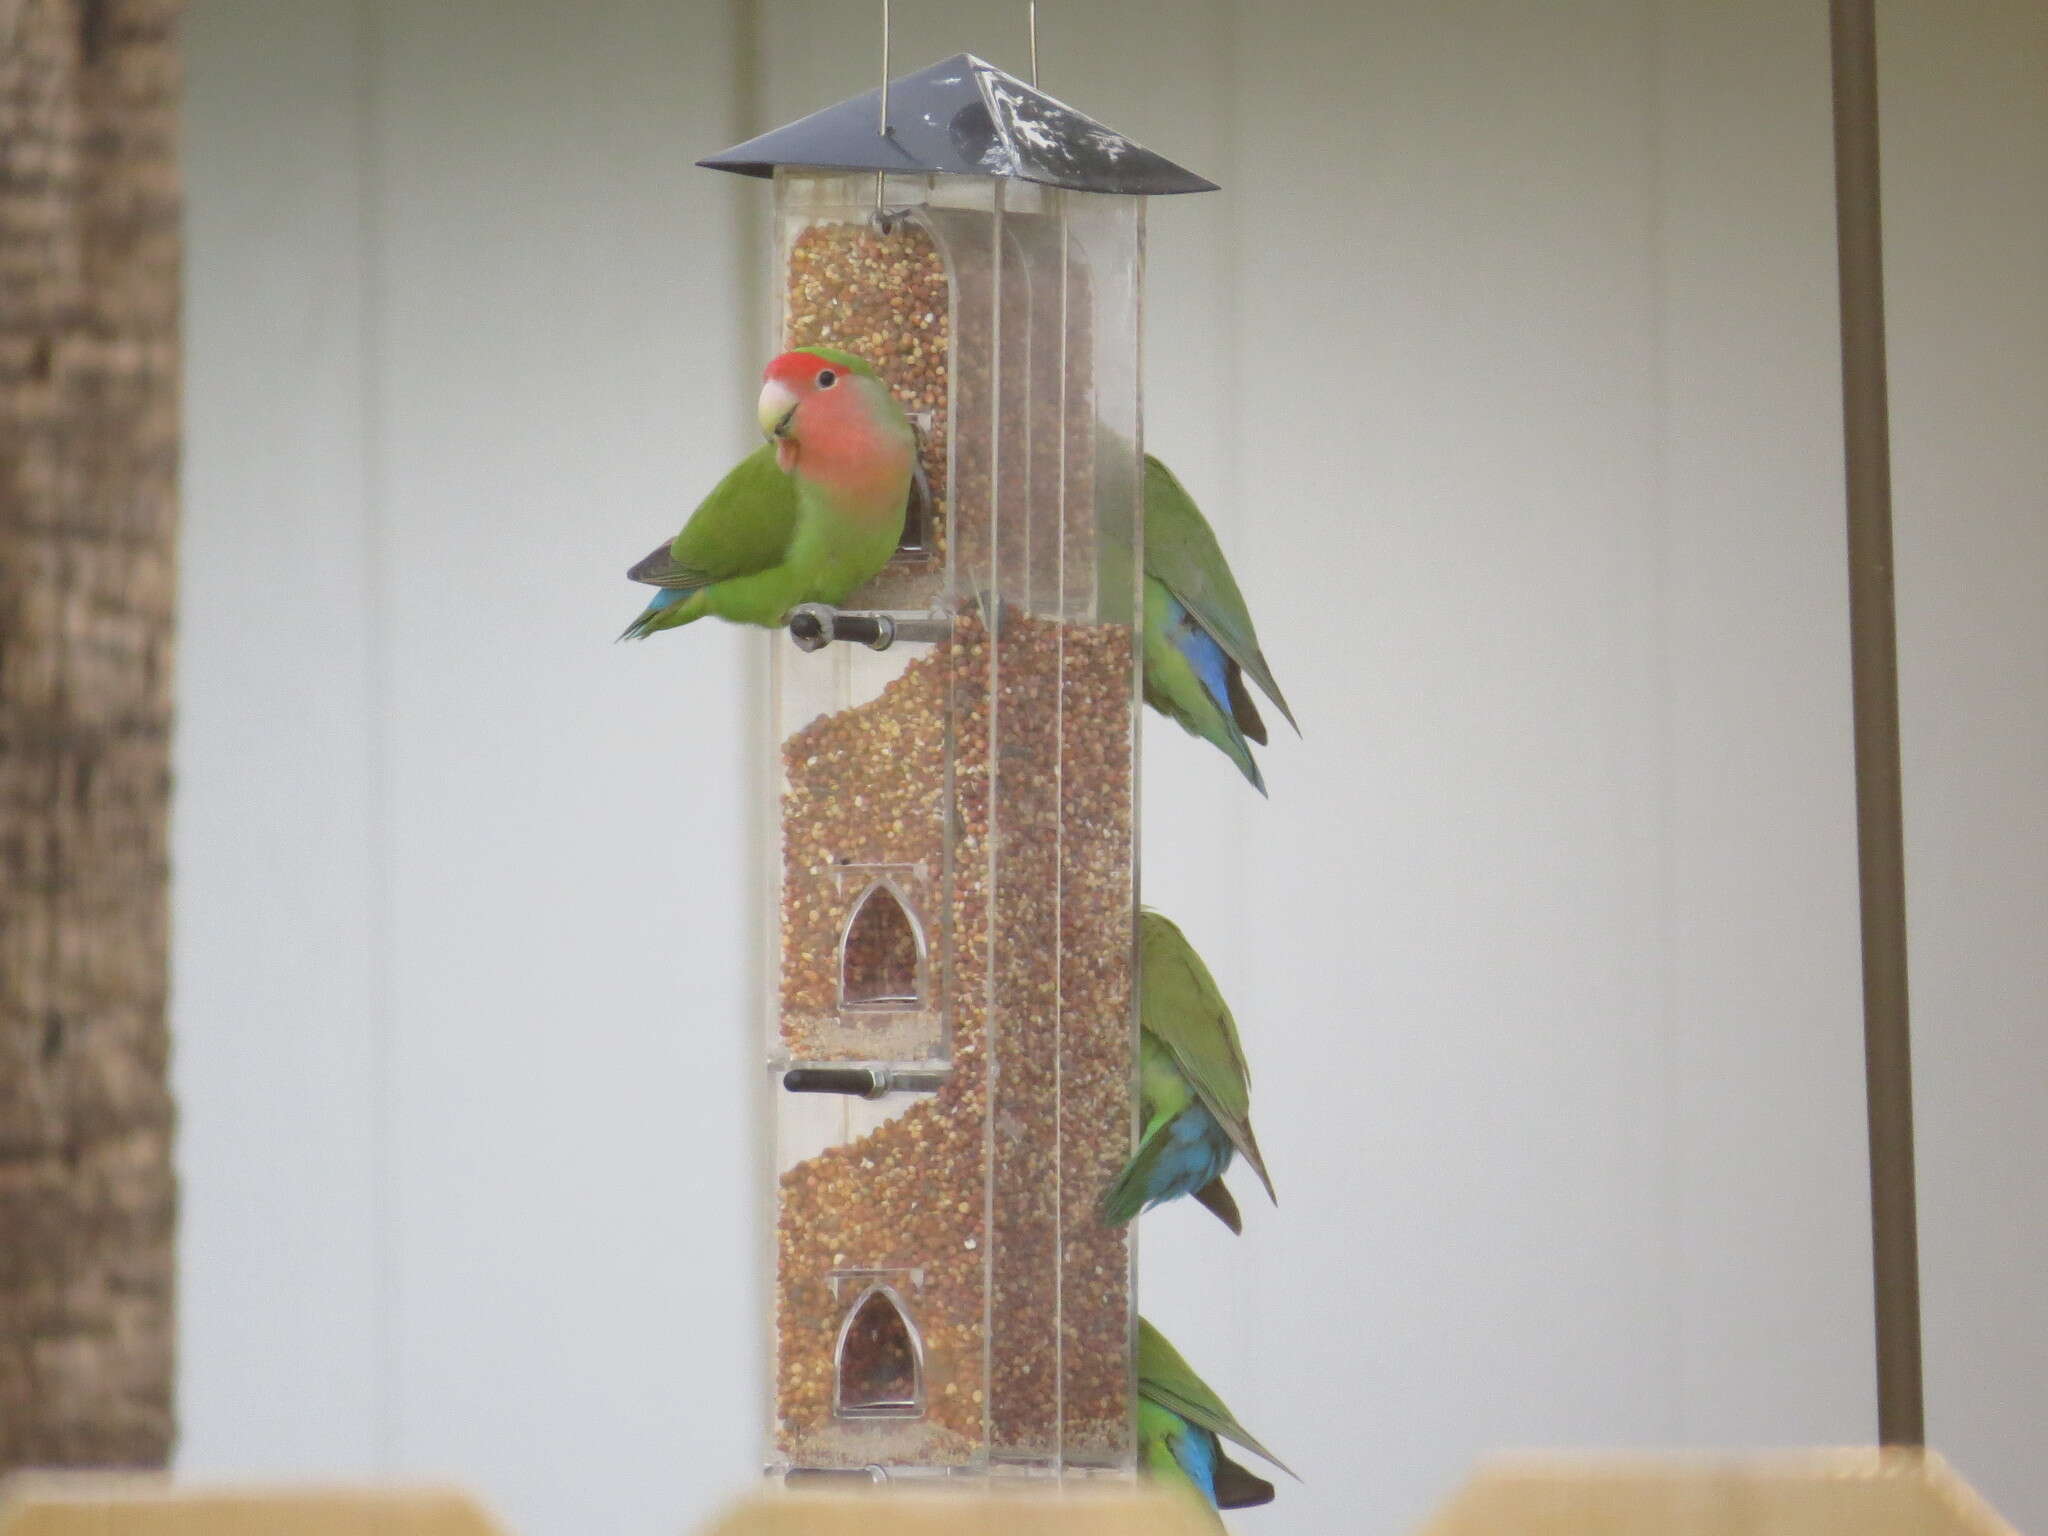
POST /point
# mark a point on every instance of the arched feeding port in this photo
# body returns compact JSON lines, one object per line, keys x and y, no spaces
{"x":952,"y":1031}
{"x":881,"y":953}
{"x":878,"y":1363}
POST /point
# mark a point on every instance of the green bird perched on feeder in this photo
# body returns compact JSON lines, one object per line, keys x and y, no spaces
{"x":1194,"y":1086}
{"x":1199,"y":639}
{"x":1181,"y":1424}
{"x":806,"y":518}
{"x":818,"y":510}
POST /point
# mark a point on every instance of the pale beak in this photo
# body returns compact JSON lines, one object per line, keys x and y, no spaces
{"x":778,"y":405}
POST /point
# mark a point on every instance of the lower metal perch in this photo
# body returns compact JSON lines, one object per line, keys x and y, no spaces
{"x":861,"y":1082}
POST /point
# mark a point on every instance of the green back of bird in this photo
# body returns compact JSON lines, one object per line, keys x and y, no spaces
{"x":1168,"y":1380}
{"x":1181,"y":552}
{"x":1182,"y":1008}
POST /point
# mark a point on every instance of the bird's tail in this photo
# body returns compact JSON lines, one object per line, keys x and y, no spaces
{"x":1215,"y":1197}
{"x":652,"y":616}
{"x":1238,"y":1487}
{"x":1242,"y":708}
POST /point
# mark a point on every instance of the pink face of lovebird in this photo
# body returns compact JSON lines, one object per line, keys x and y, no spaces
{"x":838,"y":428}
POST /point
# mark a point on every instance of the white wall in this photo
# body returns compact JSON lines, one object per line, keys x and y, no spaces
{"x":459,"y":1002}
{"x":279,"y":995}
{"x":1506,"y":366}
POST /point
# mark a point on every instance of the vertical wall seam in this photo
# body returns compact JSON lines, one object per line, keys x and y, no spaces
{"x":385,"y":1383}
{"x":1874,"y":689}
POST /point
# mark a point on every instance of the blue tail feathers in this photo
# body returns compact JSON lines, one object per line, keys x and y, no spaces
{"x":1196,"y":1151}
{"x":1178,"y":1158}
{"x":664,"y":599}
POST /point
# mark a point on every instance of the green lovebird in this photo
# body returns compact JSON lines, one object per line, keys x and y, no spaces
{"x":805,"y":518}
{"x":1180,"y":1421}
{"x":1199,"y":640}
{"x":1194,"y":1087}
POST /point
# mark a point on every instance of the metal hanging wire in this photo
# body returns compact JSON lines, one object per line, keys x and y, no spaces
{"x":882,"y":126}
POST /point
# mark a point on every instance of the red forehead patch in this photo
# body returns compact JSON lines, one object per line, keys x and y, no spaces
{"x":799,"y":369}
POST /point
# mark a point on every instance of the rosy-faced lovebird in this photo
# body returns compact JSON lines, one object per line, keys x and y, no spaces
{"x":1199,"y":640}
{"x":1193,"y":1085}
{"x":1181,"y":1424}
{"x":805,"y":518}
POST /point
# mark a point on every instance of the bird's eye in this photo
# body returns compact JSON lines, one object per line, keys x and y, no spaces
{"x":827,"y":378}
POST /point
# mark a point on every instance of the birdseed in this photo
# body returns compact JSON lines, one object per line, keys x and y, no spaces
{"x":1036,"y":968}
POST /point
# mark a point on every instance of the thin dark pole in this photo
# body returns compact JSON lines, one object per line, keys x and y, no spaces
{"x":1874,"y":663}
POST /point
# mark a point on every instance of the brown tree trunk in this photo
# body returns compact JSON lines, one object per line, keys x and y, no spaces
{"x":89,"y":249}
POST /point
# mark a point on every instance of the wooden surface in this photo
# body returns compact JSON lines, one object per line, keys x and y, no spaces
{"x":931,"y":1513}
{"x":98,"y":1506}
{"x":1863,"y":1492}
{"x":89,"y":250}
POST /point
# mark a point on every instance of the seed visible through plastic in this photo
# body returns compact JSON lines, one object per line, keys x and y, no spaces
{"x":1015,"y":858}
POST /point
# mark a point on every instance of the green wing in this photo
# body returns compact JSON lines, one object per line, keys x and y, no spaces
{"x":1181,"y":551}
{"x":743,"y":526}
{"x":1168,"y":1380}
{"x":1183,"y":1010}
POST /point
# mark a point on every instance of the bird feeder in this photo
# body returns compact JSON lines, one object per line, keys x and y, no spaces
{"x":952,"y":1024}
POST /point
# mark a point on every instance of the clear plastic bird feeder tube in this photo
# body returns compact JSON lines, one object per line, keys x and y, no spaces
{"x":951,"y":1031}
{"x":958,"y":851}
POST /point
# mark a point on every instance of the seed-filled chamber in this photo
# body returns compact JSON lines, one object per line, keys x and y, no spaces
{"x":950,"y":1036}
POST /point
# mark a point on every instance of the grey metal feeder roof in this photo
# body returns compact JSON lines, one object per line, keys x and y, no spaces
{"x":964,"y":117}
